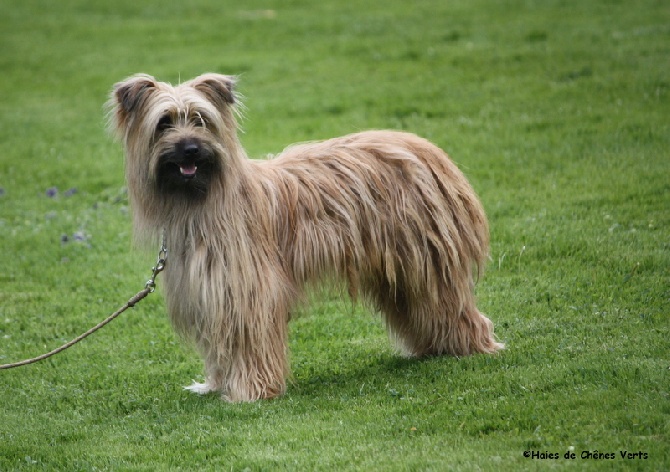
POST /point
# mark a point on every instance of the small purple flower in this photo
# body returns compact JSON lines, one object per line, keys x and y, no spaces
{"x":52,"y":192}
{"x":70,"y":192}
{"x":2,"y":191}
{"x":79,"y":236}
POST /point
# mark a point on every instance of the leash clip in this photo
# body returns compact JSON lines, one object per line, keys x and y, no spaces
{"x":159,"y":267}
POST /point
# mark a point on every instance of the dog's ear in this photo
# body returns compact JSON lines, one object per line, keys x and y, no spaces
{"x":132,"y":93}
{"x":218,"y":89}
{"x":126,"y":99}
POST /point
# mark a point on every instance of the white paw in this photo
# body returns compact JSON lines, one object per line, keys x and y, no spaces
{"x":199,"y":388}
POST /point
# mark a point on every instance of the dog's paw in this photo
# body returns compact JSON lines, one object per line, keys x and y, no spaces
{"x":199,"y":388}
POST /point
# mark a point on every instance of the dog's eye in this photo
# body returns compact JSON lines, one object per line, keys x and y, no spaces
{"x":164,"y":123}
{"x":199,"y":120}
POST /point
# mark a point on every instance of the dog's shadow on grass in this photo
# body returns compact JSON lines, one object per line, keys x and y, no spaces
{"x":351,"y":371}
{"x":386,"y":373}
{"x":354,"y":376}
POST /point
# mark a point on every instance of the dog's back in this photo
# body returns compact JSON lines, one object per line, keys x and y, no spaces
{"x":391,"y":214}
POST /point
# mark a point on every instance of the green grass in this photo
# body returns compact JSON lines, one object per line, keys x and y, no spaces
{"x":558,"y":112}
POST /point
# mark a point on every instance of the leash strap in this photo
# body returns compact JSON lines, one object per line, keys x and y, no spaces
{"x":139,"y":296}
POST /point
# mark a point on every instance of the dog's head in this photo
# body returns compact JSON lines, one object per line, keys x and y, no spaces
{"x":177,"y":138}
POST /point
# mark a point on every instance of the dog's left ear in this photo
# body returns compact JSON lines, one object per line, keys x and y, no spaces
{"x":218,"y":89}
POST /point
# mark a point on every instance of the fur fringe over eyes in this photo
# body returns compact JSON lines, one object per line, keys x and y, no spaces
{"x":386,"y":212}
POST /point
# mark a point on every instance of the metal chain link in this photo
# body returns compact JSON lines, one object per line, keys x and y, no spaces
{"x":160,"y":265}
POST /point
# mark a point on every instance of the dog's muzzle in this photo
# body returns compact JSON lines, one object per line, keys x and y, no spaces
{"x":186,"y":167}
{"x":190,"y":152}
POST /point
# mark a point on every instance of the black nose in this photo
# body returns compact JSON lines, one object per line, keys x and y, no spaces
{"x":191,"y":149}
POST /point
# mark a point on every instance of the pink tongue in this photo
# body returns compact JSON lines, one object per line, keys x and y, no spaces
{"x":188,"y":169}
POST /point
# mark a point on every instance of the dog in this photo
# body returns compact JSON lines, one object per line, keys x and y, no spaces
{"x":386,"y":213}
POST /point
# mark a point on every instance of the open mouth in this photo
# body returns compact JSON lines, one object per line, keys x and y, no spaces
{"x":188,"y":170}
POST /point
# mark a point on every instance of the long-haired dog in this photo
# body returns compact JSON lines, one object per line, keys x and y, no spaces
{"x":386,"y":212}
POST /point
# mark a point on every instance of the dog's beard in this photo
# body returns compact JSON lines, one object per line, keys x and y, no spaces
{"x":186,"y":168}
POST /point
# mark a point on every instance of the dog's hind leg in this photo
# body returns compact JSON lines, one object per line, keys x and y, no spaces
{"x":469,"y":332}
{"x":395,"y":307}
{"x":422,"y":328}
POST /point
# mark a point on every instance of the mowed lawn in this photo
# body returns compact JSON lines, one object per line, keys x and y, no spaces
{"x":557,"y":111}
